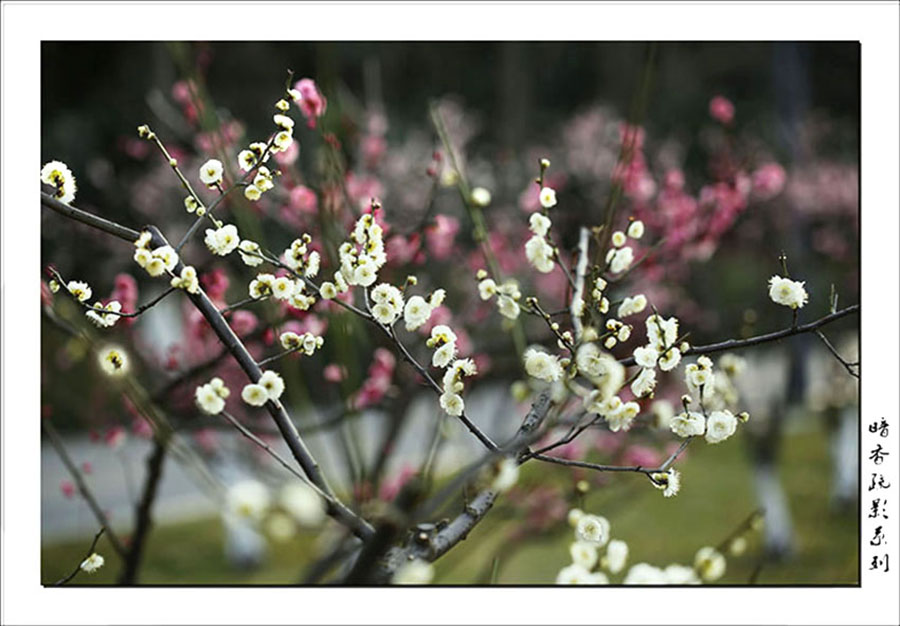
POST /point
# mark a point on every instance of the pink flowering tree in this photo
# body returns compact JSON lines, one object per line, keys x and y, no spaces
{"x":387,"y":273}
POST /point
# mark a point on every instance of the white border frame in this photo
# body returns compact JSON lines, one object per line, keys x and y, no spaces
{"x":26,"y":24}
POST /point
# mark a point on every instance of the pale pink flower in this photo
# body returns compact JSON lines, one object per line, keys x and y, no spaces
{"x":768,"y":180}
{"x":312,"y":103}
{"x":114,"y":436}
{"x":67,"y":488}
{"x":441,"y":235}
{"x":721,"y":109}
{"x":334,"y":373}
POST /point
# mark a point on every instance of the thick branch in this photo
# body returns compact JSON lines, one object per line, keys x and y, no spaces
{"x":142,"y":514}
{"x":122,"y":232}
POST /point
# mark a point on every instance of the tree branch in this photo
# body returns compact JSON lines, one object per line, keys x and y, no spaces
{"x":734,"y":344}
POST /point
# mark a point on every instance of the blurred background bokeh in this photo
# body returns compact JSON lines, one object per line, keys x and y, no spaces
{"x":723,"y":195}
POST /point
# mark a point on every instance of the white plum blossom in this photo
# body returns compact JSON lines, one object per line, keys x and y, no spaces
{"x":645,"y":574}
{"x":480,"y":197}
{"x":573,"y":516}
{"x":261,"y":286}
{"x":593,"y":529}
{"x":222,"y":240}
{"x":283,"y":288}
{"x":92,"y":563}
{"x":584,"y":553}
{"x":620,"y":259}
{"x":255,"y":395}
{"x":542,"y":365}
{"x":101,"y":317}
{"x":636,"y":229}
{"x":211,"y":398}
{"x":80,"y":290}
{"x":548,"y":197}
{"x":709,"y":563}
{"x":632,"y":304}
{"x":211,"y":173}
{"x":539,"y":224}
{"x":272,"y":382}
{"x":113,"y":361}
{"x":681,"y":575}
{"x":452,"y":403}
{"x":507,"y":476}
{"x":688,"y":424}
{"x":539,"y":254}
{"x":787,"y":292}
{"x":618,"y":239}
{"x":416,"y":313}
{"x":415,"y":572}
{"x":303,"y":504}
{"x":248,"y":499}
{"x":250,"y":253}
{"x":487,"y":288}
{"x":577,"y":575}
{"x":58,"y":175}
{"x":669,"y":360}
{"x":669,"y":482}
{"x":644,"y":383}
{"x":388,"y":305}
{"x":646,"y":356}
{"x":661,"y":333}
{"x":622,"y":416}
{"x":616,"y":556}
{"x":720,"y":426}
{"x":187,"y":280}
{"x":508,"y":307}
{"x":444,"y":339}
{"x":252,"y":192}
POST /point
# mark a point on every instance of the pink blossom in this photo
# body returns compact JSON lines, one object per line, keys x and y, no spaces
{"x":334,"y":373}
{"x":243,"y":322}
{"x":215,"y":284}
{"x":312,"y":103}
{"x":373,"y":148}
{"x":140,"y":427}
{"x":67,"y":488}
{"x":86,"y":467}
{"x":391,"y":487}
{"x":362,"y":189}
{"x":125,"y":290}
{"x":441,"y":235}
{"x":303,"y":199}
{"x":642,"y":456}
{"x":289,"y":156}
{"x":768,"y":180}
{"x":114,"y":436}
{"x":207,"y":439}
{"x":402,"y":250}
{"x":721,"y":109}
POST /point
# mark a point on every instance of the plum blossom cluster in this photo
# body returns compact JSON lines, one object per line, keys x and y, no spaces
{"x":210,"y":397}
{"x":418,"y":310}
{"x":540,"y":253}
{"x":620,"y":256}
{"x":307,"y":343}
{"x":284,"y":288}
{"x":451,"y":399}
{"x":270,"y":386}
{"x":508,"y":294}
{"x":589,"y":567}
{"x":716,"y":425}
{"x":361,"y":257}
{"x":58,"y":175}
{"x":592,"y":533}
{"x":156,"y":261}
{"x":222,"y":240}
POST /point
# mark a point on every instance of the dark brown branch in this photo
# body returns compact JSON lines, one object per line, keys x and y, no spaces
{"x":735,"y":344}
{"x":122,"y":232}
{"x":143,"y":516}
{"x":82,"y":486}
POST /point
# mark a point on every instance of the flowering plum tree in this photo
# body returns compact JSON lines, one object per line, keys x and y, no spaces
{"x":592,"y":353}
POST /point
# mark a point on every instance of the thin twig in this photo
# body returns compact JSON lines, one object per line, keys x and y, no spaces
{"x":63,"y":581}
{"x":848,"y":366}
{"x":86,"y":493}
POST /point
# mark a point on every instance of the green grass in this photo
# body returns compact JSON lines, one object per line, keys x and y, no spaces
{"x":716,"y":496}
